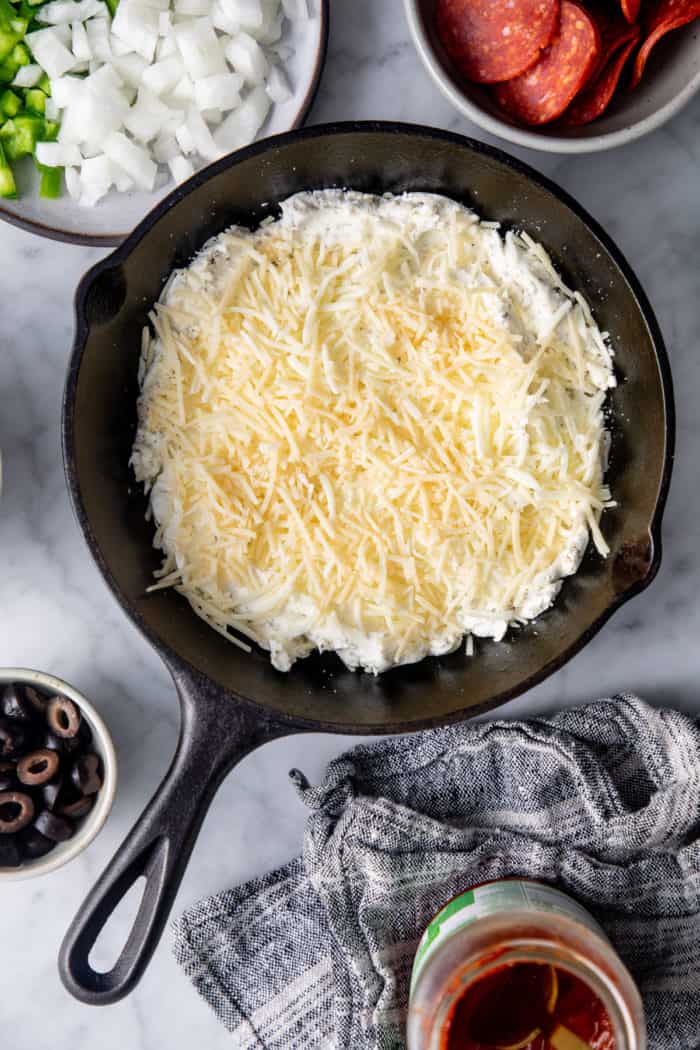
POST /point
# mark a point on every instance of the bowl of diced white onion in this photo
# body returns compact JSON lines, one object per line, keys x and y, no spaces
{"x":158,"y":90}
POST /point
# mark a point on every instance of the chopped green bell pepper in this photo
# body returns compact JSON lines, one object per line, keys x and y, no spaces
{"x":8,"y":187}
{"x":51,"y":181}
{"x":10,"y":36}
{"x":18,"y":57}
{"x":20,"y":136}
{"x":35,"y":101}
{"x":10,"y":103}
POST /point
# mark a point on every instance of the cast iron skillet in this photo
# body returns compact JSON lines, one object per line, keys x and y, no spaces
{"x":233,"y":702}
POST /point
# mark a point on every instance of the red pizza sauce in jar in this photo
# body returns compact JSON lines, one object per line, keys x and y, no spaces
{"x":518,"y":965}
{"x":512,"y":1002}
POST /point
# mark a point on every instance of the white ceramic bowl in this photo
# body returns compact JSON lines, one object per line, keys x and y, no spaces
{"x":114,"y":217}
{"x":102,"y":744}
{"x":671,"y":78}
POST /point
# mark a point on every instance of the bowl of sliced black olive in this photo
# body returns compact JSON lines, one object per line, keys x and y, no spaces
{"x":58,"y":773}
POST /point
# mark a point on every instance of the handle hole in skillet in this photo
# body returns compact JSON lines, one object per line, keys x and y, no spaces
{"x":106,"y":296}
{"x":113,"y":936}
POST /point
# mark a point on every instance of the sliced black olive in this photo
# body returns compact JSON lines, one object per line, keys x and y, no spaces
{"x":14,"y":704}
{"x":33,"y":844}
{"x":13,"y":738}
{"x":38,"y":701}
{"x":77,"y":809}
{"x":63,"y":717}
{"x":8,"y":779}
{"x":85,"y":734}
{"x":49,"y":793}
{"x":58,"y":829}
{"x":10,"y":856}
{"x":38,"y":767}
{"x":85,"y":774}
{"x":68,"y":746}
{"x":16,"y":811}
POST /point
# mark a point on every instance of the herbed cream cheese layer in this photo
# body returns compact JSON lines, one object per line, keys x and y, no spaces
{"x":374,"y":426}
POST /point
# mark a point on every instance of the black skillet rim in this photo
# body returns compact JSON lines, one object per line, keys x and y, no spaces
{"x":172,"y":659}
{"x":111,"y":240}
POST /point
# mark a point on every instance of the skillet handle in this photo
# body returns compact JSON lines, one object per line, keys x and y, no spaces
{"x":216,"y":732}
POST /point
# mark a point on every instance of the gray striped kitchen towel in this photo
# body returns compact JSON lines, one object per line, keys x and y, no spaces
{"x":603,"y":801}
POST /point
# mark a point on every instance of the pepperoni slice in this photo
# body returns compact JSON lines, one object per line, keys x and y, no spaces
{"x":630,"y":9}
{"x":615,"y":32}
{"x":496,"y":40}
{"x":545,"y":91}
{"x":597,"y":96}
{"x":665,"y":16}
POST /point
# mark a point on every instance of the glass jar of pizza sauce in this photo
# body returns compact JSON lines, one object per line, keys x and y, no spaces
{"x":518,"y":965}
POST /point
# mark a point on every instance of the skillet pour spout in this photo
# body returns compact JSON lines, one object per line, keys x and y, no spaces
{"x":232,"y":701}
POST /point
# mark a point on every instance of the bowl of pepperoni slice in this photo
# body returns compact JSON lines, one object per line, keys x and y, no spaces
{"x":566,"y":76}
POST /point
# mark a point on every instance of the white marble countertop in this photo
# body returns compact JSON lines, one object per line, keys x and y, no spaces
{"x":57,"y":614}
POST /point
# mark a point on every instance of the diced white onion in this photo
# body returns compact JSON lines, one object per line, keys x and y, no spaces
{"x":137,"y":25}
{"x":212,"y":117}
{"x":201,"y":135}
{"x":163,"y":77}
{"x":165,"y":148}
{"x":28,"y":76}
{"x":122,"y":181}
{"x":200,"y":48}
{"x":63,"y":11}
{"x":184,"y":139}
{"x":193,"y":8}
{"x":55,"y":155}
{"x":277,"y":87}
{"x":271,"y":28}
{"x":242,"y":125}
{"x":295,"y":9}
{"x":98,"y":35}
{"x":223,"y":17}
{"x":49,"y":51}
{"x":247,"y":58}
{"x":63,"y":33}
{"x":72,"y":177}
{"x":96,"y":177}
{"x":270,"y":32}
{"x":80,"y":45}
{"x":249,"y":14}
{"x":119,"y":48}
{"x":135,"y":160}
{"x":218,"y":92}
{"x":181,"y":168}
{"x":66,"y":90}
{"x":183,"y":92}
{"x":166,"y":47}
{"x":150,"y":117}
{"x":132,"y":68}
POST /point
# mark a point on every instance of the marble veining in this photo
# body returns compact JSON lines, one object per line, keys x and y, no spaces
{"x":58,"y":616}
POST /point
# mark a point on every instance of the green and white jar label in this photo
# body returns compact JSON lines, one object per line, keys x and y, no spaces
{"x":495,"y":898}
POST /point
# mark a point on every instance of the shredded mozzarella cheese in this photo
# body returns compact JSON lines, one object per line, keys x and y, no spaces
{"x":373,"y":426}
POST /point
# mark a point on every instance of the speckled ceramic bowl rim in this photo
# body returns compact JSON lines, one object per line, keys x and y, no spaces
{"x":591,"y":143}
{"x":94,"y":822}
{"x":112,"y":240}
